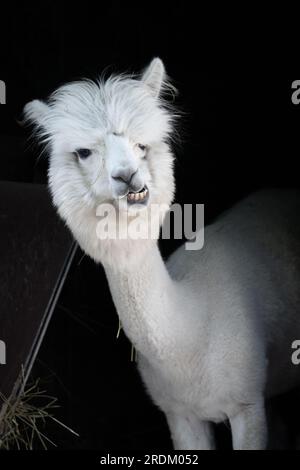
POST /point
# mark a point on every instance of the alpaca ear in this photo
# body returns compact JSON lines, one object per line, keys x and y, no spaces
{"x":154,"y":76}
{"x":36,"y":112}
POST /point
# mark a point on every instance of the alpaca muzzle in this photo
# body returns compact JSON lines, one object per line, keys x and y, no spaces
{"x":128,"y":182}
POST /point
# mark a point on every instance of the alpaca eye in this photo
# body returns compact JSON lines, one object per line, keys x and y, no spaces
{"x":83,"y":153}
{"x":142,"y":147}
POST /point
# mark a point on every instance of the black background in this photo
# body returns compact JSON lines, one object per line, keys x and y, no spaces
{"x":239,"y":133}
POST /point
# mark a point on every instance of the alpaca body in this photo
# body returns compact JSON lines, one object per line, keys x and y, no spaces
{"x":213,"y":328}
{"x":221,"y":330}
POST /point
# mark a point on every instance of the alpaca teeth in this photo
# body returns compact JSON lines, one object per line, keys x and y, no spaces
{"x":138,"y":196}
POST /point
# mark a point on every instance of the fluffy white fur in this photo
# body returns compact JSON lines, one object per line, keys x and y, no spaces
{"x":213,"y":329}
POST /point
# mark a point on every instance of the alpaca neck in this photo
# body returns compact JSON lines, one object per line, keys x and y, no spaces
{"x":146,"y":299}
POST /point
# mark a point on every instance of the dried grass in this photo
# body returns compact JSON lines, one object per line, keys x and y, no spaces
{"x":23,"y":418}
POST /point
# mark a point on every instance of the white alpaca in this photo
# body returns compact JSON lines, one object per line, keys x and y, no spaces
{"x":213,"y":328}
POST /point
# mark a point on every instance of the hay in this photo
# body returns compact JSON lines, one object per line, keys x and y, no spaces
{"x":22,"y":419}
{"x":133,"y":352}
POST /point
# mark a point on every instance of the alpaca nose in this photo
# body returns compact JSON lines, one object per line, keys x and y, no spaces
{"x":123,"y":175}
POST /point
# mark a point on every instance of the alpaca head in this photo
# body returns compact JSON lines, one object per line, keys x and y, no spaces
{"x":108,"y":144}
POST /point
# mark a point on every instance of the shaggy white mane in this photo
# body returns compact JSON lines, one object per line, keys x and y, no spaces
{"x":121,"y":104}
